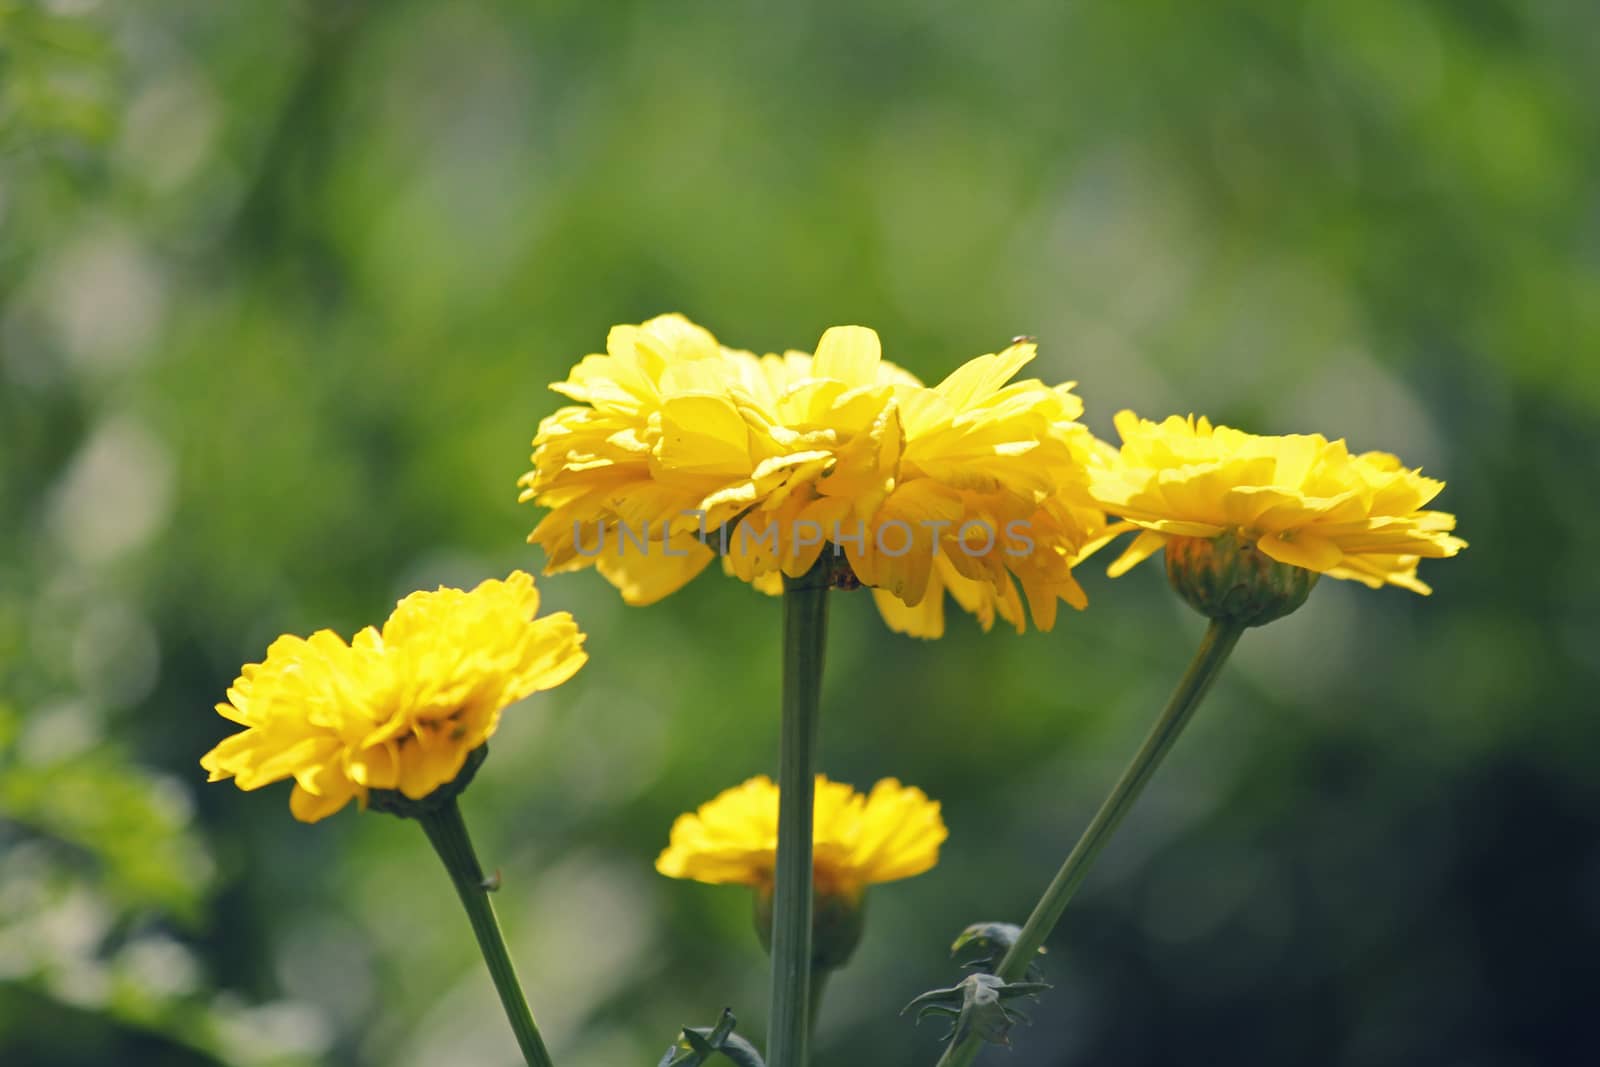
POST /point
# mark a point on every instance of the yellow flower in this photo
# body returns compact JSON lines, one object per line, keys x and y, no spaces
{"x":859,"y":839}
{"x":400,"y":709}
{"x":682,"y":450}
{"x":1301,"y":500}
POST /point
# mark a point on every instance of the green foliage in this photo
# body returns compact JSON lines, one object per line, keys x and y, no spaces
{"x":122,"y":826}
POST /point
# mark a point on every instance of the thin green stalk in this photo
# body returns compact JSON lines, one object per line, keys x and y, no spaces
{"x":819,"y":984}
{"x":448,"y":833}
{"x":805,"y":627}
{"x":1213,"y":653}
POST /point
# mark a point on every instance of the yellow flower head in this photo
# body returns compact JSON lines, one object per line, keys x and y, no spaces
{"x":681,"y":450}
{"x":399,"y":709}
{"x":1300,"y":499}
{"x":859,"y":839}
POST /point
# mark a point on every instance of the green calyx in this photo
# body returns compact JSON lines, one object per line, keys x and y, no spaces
{"x":836,"y":924}
{"x":1229,"y":579}
{"x":397,"y":803}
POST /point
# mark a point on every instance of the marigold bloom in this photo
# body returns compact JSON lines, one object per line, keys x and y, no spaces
{"x":399,"y":709}
{"x":1301,"y":499}
{"x":681,"y":445}
{"x":859,"y":839}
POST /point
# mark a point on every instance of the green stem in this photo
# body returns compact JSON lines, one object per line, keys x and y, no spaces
{"x":448,"y":833}
{"x":805,"y":627}
{"x":1213,"y":653}
{"x":819,"y":983}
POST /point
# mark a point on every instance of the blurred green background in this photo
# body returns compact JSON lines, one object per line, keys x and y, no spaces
{"x":281,"y":288}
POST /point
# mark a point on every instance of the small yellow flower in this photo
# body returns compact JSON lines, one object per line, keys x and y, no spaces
{"x":681,"y":450}
{"x":401,"y":709}
{"x":1300,"y":500}
{"x":859,"y":839}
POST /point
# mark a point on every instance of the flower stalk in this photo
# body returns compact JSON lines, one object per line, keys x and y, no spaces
{"x":805,"y":626}
{"x":448,"y":835}
{"x":819,"y":985}
{"x":1220,"y":637}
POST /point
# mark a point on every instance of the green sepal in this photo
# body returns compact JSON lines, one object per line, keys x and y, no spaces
{"x":978,"y":1005}
{"x":1228,"y":578}
{"x":397,"y":803}
{"x":697,"y":1044}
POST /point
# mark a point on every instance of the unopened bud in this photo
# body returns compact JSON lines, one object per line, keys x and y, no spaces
{"x":982,"y":946}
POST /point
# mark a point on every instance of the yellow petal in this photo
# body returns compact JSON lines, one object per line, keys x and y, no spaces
{"x":704,"y":435}
{"x":1141,"y":548}
{"x":924,"y":619}
{"x":981,"y":378}
{"x":849,"y":354}
{"x":1302,"y":550}
{"x":309,"y":807}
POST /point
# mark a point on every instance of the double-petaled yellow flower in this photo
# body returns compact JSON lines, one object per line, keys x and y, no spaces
{"x":681,"y":450}
{"x":398,"y":709}
{"x":1300,"y":500}
{"x":859,"y":839}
